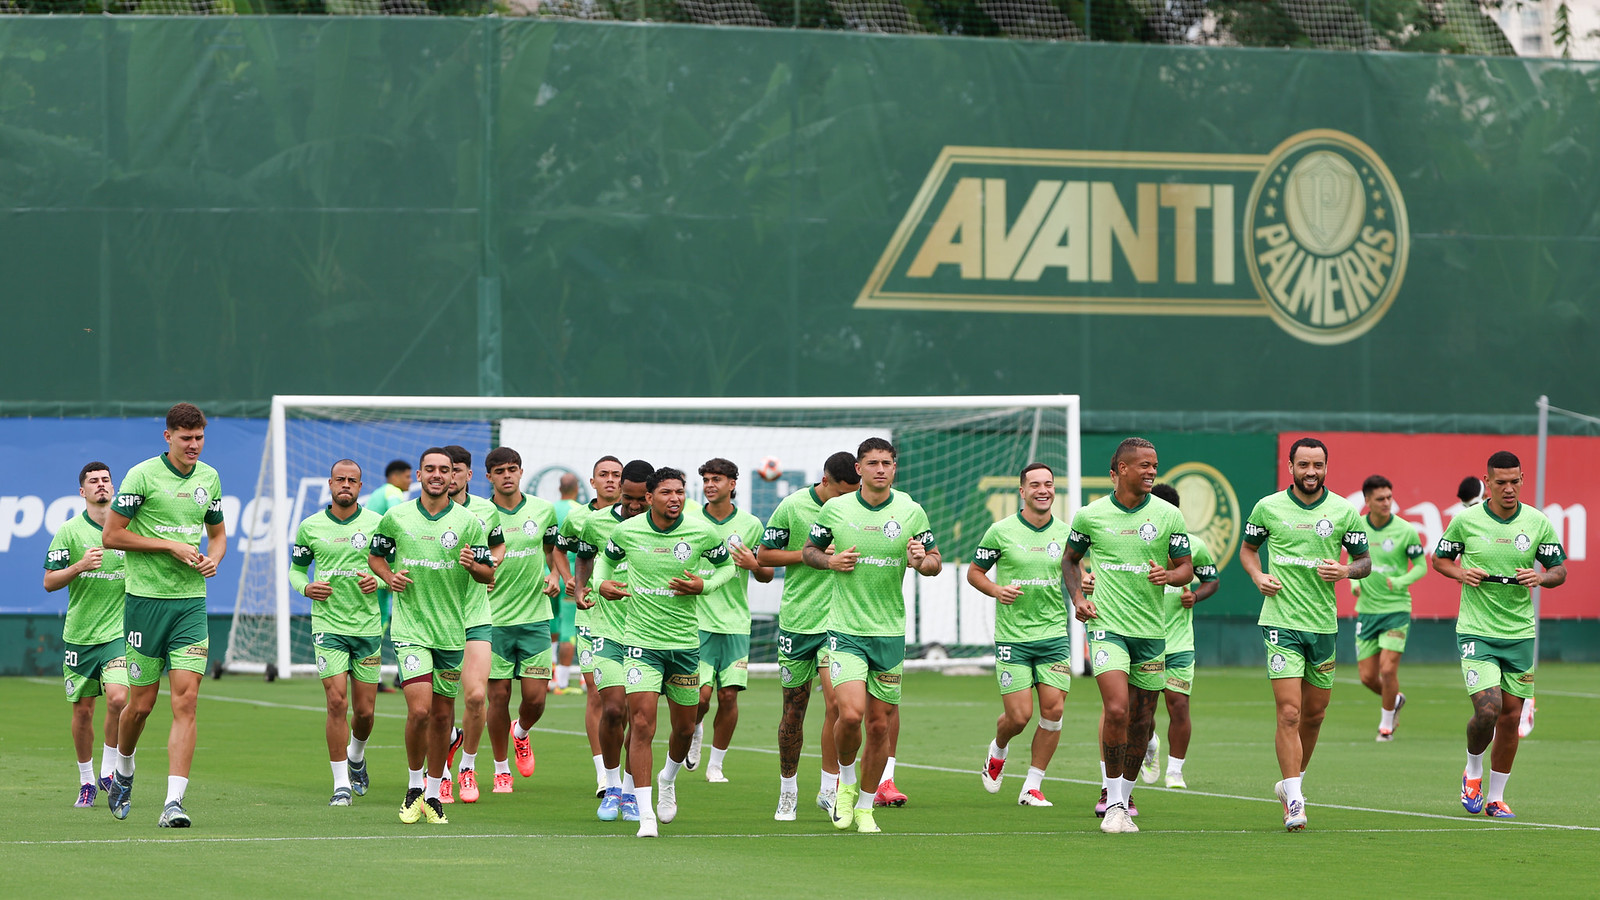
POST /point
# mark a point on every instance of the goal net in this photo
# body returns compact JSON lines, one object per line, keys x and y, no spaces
{"x":958,"y":456}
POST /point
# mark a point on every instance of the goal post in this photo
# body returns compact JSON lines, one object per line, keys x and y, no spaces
{"x":959,"y":457}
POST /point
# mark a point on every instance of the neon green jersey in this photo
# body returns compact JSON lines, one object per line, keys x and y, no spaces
{"x":1298,"y":538}
{"x":160,"y":502}
{"x":608,"y":618}
{"x":807,"y":592}
{"x":480,"y":612}
{"x":95,"y":599}
{"x":869,"y":600}
{"x":1397,"y":563}
{"x":658,"y":619}
{"x":433,"y":610}
{"x":518,"y":597}
{"x":385,"y":498}
{"x":340,"y":551}
{"x":1180,"y":621}
{"x":1014,"y":552}
{"x":727,"y":609}
{"x":1124,"y":542}
{"x":1499,"y":607}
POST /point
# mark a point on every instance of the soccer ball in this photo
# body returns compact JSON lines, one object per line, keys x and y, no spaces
{"x":771,"y":469}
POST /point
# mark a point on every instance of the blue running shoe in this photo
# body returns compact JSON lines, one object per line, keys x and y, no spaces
{"x":611,"y":805}
{"x":630,"y":808}
{"x":358,"y":777}
{"x":121,"y":795}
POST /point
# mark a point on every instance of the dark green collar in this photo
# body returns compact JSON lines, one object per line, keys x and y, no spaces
{"x":1041,"y":529}
{"x":1118,"y":504}
{"x":861,"y":498}
{"x":442,"y":513}
{"x":707,"y":510}
{"x":174,"y":469}
{"x":353,"y":516}
{"x":1296,"y":498}
{"x":1506,"y":521}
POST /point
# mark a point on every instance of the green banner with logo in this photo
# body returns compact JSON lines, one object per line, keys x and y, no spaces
{"x":229,"y":208}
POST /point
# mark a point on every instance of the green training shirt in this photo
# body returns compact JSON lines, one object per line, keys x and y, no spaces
{"x":607,"y":618}
{"x":518,"y":597}
{"x":727,"y":609}
{"x":159,"y":502}
{"x":1298,"y":538}
{"x":1180,"y":621}
{"x":1392,"y":547}
{"x":479,"y":612}
{"x":432,"y":610}
{"x":869,"y":601}
{"x":385,"y":498}
{"x":1014,"y":552}
{"x":571,"y":531}
{"x":657,"y":618}
{"x":807,"y":592}
{"x":1499,"y":607}
{"x":95,"y":599}
{"x":1124,"y":542}
{"x":340,"y":550}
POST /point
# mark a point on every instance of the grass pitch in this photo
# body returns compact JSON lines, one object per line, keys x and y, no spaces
{"x":1384,"y":818}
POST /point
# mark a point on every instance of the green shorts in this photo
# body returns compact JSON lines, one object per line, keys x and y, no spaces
{"x":1300,"y":654}
{"x":799,"y":655}
{"x":675,"y":673}
{"x":442,"y":667}
{"x":1020,"y":665}
{"x":341,"y":653}
{"x":725,"y":660}
{"x":583,"y":648}
{"x":879,"y":661}
{"x":520,"y":651}
{"x":164,"y":634}
{"x":1497,"y":662}
{"x":563,"y":620}
{"x":1381,"y":631}
{"x":87,"y":668}
{"x":610,"y":662}
{"x":1144,"y":659}
{"x":481,"y":633}
{"x":1180,"y":672}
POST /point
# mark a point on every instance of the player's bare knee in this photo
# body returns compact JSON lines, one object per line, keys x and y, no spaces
{"x":1116,"y":711}
{"x":728,"y":697}
{"x":1289,"y":717}
{"x":531,"y":708}
{"x":337,"y":707}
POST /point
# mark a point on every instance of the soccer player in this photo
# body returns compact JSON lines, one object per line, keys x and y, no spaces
{"x":1383,"y":600}
{"x":346,"y":623}
{"x":886,"y":532}
{"x":608,"y":623}
{"x":724,"y":615}
{"x":606,"y":480}
{"x":480,"y":636}
{"x":662,"y":548}
{"x":428,"y":552}
{"x":96,"y":653}
{"x":803,"y":630}
{"x":526,"y":579}
{"x":1303,"y":529}
{"x":397,"y":483}
{"x":563,"y":626}
{"x":165,"y":504}
{"x":1180,"y":601}
{"x":1032,"y":650}
{"x":1140,"y":546}
{"x":1491,"y":549}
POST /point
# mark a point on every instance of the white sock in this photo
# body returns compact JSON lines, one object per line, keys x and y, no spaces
{"x":864,"y":801}
{"x":716,"y":757}
{"x":1386,"y":720}
{"x":431,"y":792}
{"x":1497,"y":786}
{"x":1174,"y":765}
{"x":1114,"y":792}
{"x":468,"y":761}
{"x":1291,"y":789}
{"x":669,"y":772}
{"x":108,"y":760}
{"x":996,"y":751}
{"x":1474,"y":765}
{"x":502,"y":767}
{"x":613,"y":777}
{"x":86,"y":772}
{"x":1127,"y":788}
{"x":647,"y":809}
{"x":888,"y":770}
{"x":627,"y":784}
{"x":416,"y":778}
{"x":341,"y":773}
{"x":517,"y":731}
{"x":125,"y":765}
{"x":1105,"y":783}
{"x":1035,"y":779}
{"x":356,"y":751}
{"x":847,"y":775}
{"x":599,"y":768}
{"x":830,"y":782}
{"x":788,"y":784}
{"x":176,"y":785}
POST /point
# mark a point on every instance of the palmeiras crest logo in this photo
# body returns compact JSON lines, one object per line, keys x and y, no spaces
{"x":680,"y":551}
{"x":891,"y":529}
{"x":1147,"y":531}
{"x":358,"y":541}
{"x":1522,"y":543}
{"x":449,"y":540}
{"x":1324,"y":528}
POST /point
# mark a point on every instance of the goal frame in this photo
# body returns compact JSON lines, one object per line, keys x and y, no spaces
{"x":282,"y":403}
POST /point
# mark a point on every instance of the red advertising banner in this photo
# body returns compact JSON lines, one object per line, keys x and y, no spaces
{"x":1425,"y":470}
